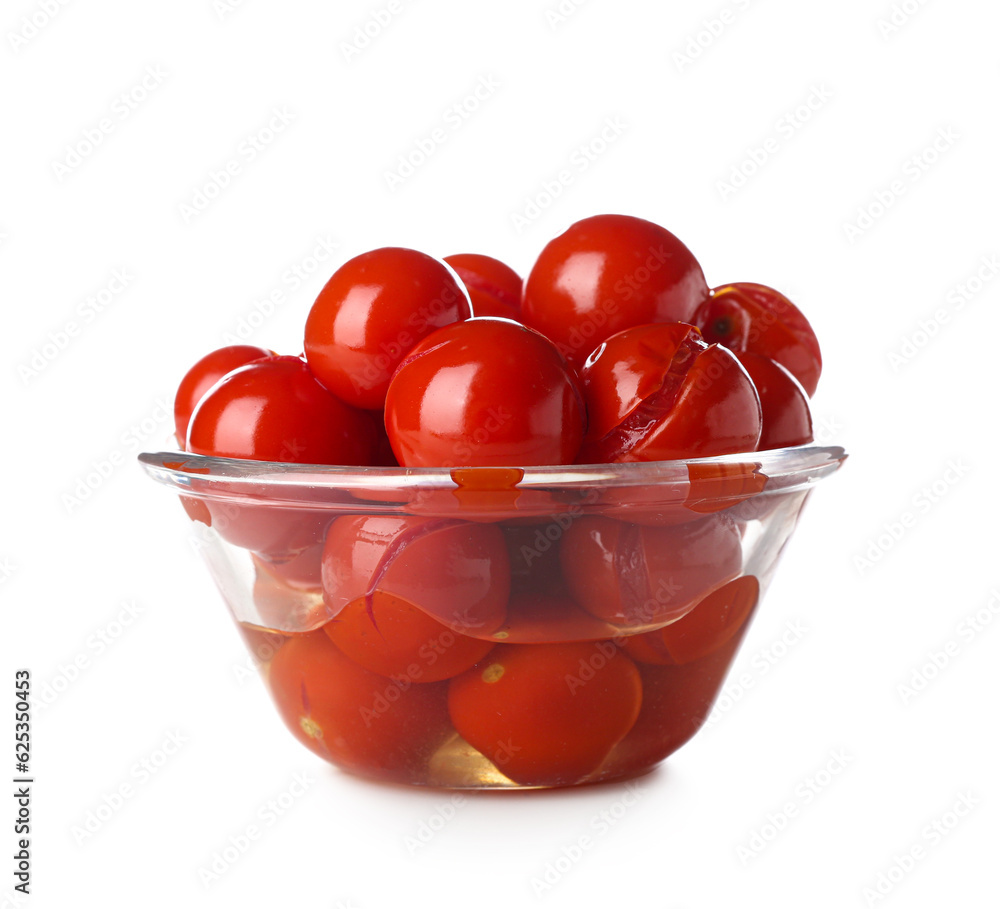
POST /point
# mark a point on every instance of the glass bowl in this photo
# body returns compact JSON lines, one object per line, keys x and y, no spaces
{"x":494,"y":627}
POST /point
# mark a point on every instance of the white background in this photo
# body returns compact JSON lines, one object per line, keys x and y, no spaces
{"x":894,"y":557}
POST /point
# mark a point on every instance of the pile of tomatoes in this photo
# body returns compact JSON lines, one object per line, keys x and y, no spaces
{"x":552,"y":650}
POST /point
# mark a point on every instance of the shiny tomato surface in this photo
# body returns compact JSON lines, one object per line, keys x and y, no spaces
{"x":759,"y":319}
{"x":608,"y":273}
{"x":547,"y":714}
{"x":494,"y":287}
{"x":356,"y":719}
{"x":785,"y":415}
{"x":456,"y":572}
{"x":658,"y":392}
{"x":371,"y":313}
{"x":203,"y":375}
{"x":484,"y":393}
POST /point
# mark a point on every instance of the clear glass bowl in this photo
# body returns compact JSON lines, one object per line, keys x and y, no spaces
{"x":495,"y":627}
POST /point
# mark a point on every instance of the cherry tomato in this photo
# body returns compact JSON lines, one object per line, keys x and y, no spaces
{"x":394,"y":638}
{"x":633,"y":575}
{"x":676,"y":701}
{"x":454,"y":571}
{"x":547,"y":714}
{"x":702,"y":631}
{"x":608,"y":273}
{"x":784,"y":404}
{"x":659,"y":392}
{"x":275,"y":410}
{"x":758,"y":319}
{"x":494,"y":288}
{"x":358,"y":720}
{"x":369,"y":315}
{"x":484,"y":393}
{"x":204,"y":374}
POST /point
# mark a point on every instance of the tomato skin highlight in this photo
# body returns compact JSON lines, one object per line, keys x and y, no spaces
{"x":758,"y":319}
{"x":371,"y":313}
{"x":658,"y":392}
{"x":276,"y":410}
{"x":494,"y":287}
{"x":358,"y":720}
{"x":457,"y":573}
{"x":607,"y":273}
{"x":547,"y":714}
{"x":785,"y":415}
{"x":203,"y":375}
{"x":484,"y":393}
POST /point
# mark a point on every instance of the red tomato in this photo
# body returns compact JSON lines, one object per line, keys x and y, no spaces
{"x":702,"y":631}
{"x":369,"y":315}
{"x":758,"y":319}
{"x":676,"y":701}
{"x":484,"y":393}
{"x":394,"y":638}
{"x":203,"y":375}
{"x":784,"y":404}
{"x":494,"y":288}
{"x":547,"y":714}
{"x":454,"y":571}
{"x":275,"y":410}
{"x":356,"y":719}
{"x":608,"y":273}
{"x":659,"y":392}
{"x":632,"y":575}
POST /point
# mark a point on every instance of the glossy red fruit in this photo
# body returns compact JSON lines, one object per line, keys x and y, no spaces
{"x":676,"y":702}
{"x":275,"y":410}
{"x":633,"y":576}
{"x":658,"y":392}
{"x":547,"y":714}
{"x":454,"y":571}
{"x":494,"y":287}
{"x":705,"y":629}
{"x":484,"y":393}
{"x":394,"y":638}
{"x":608,"y":273}
{"x":784,"y":404}
{"x":358,"y":720}
{"x":369,"y":315}
{"x":203,"y":375}
{"x":758,"y":319}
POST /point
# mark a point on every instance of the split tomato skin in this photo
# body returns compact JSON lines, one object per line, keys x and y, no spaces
{"x":785,"y":415}
{"x":457,"y":573}
{"x":547,"y":714}
{"x":204,"y":374}
{"x":658,"y":392}
{"x":605,"y":274}
{"x":371,"y":313}
{"x":484,"y":393}
{"x":758,"y":319}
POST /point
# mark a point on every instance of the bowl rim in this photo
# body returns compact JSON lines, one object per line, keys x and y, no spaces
{"x":802,"y":463}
